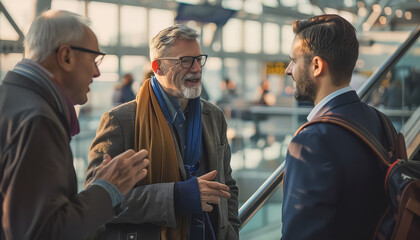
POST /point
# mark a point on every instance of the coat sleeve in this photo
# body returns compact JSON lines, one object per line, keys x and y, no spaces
{"x":41,"y":200}
{"x":144,"y":204}
{"x":311,"y":188}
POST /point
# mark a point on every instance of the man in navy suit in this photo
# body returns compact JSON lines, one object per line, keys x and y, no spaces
{"x":333,"y":186}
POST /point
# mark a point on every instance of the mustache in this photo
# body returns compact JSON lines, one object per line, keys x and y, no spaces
{"x":192,"y":76}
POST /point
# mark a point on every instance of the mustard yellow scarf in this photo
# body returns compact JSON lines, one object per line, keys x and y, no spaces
{"x":152,"y":133}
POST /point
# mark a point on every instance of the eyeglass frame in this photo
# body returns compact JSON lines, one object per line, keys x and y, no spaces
{"x":82,"y":49}
{"x":192,"y":62}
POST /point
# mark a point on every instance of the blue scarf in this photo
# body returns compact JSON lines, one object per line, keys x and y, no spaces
{"x":194,"y":149}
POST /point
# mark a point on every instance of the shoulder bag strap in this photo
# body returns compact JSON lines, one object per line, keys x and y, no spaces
{"x":356,"y":129}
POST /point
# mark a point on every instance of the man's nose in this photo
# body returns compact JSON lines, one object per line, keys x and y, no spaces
{"x":195,"y":67}
{"x":289,"y":69}
{"x":96,"y":73}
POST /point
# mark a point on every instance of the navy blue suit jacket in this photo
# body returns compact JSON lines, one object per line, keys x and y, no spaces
{"x":333,"y":187}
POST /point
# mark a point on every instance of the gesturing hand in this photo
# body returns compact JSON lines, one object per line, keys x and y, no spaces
{"x":125,"y":170}
{"x":210,"y":191}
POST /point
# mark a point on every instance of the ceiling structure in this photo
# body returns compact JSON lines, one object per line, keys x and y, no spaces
{"x":371,"y":15}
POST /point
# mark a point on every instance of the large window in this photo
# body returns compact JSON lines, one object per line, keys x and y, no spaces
{"x":7,"y":32}
{"x":287,"y":36}
{"x":232,"y":35}
{"x":212,"y":77}
{"x":209,"y":33}
{"x":70,"y":5}
{"x":252,"y":79}
{"x":7,"y":62}
{"x":271,"y":38}
{"x":104,"y":18}
{"x":133,"y":26}
{"x":252,"y":37}
{"x":21,"y":11}
{"x":100,"y":97}
{"x":159,"y":19}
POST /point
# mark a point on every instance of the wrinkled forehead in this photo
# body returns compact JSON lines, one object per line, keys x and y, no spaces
{"x":184,"y":47}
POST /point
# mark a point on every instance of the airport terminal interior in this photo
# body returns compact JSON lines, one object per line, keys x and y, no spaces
{"x":248,"y":44}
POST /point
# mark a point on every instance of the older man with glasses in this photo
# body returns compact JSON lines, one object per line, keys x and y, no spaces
{"x":189,"y":192}
{"x":38,"y":187}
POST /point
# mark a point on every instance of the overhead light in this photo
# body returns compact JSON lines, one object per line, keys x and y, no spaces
{"x":365,"y":26}
{"x":382,"y":20}
{"x":408,"y":15}
{"x":360,"y":63}
{"x":362,"y":11}
{"x":376,"y":8}
{"x":348,"y":3}
{"x":388,"y":11}
{"x":398,"y":13}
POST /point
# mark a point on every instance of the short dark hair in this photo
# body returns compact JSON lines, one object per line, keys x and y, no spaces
{"x":332,"y":38}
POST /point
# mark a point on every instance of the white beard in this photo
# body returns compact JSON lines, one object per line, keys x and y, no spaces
{"x":190,"y":92}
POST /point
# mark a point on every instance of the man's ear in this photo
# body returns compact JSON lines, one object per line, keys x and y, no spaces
{"x":65,"y":57}
{"x":156,"y":67}
{"x":319,"y":66}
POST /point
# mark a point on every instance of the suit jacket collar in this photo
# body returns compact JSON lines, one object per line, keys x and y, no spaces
{"x":340,"y":100}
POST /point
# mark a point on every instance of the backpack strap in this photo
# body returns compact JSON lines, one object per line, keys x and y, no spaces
{"x":356,"y":129}
{"x":396,"y":140}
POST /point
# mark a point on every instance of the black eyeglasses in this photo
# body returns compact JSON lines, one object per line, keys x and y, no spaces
{"x":98,"y":58}
{"x":188,"y":61}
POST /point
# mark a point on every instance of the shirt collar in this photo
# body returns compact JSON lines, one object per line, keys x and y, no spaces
{"x":325,"y":100}
{"x":173,"y":105}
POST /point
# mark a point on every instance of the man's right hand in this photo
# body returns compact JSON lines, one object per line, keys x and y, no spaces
{"x":124,"y":171}
{"x":211,"y":191}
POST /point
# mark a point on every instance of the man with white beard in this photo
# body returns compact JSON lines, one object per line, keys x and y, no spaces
{"x":189,"y":192}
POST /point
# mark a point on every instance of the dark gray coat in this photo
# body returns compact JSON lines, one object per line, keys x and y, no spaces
{"x":38,"y":188}
{"x":152,"y":206}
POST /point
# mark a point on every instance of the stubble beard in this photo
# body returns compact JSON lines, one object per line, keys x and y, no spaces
{"x":305,"y":88}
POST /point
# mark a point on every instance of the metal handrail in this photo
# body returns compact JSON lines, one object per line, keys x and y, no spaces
{"x":272,"y":184}
{"x":264,"y":192}
{"x":390,"y":62}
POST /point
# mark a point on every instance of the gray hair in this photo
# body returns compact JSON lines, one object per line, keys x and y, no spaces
{"x":52,"y":29}
{"x":161,"y":43}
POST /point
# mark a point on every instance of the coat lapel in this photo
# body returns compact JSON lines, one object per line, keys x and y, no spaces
{"x":208,"y":141}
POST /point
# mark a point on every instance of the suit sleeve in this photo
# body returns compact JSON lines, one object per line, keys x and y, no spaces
{"x":41,"y":201}
{"x":311,"y":188}
{"x":144,"y":204}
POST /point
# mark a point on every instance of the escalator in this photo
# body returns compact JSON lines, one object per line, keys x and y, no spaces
{"x":395,"y":90}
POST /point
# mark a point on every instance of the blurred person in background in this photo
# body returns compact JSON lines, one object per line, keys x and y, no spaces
{"x":38,"y":189}
{"x":123,"y":92}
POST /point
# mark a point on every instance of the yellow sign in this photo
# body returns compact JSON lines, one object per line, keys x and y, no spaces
{"x":276,"y":68}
